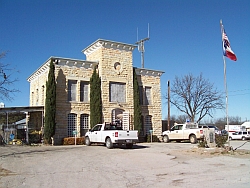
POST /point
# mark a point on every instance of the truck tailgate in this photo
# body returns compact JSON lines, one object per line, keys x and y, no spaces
{"x":127,"y":135}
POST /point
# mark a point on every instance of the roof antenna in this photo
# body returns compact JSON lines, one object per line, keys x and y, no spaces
{"x":141,"y":46}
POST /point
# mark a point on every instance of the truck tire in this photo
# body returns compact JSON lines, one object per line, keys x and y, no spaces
{"x":87,"y":141}
{"x":193,"y":139}
{"x":109,"y":144}
{"x":230,"y":138}
{"x":165,"y":139}
{"x":129,"y":146}
{"x":243,"y":138}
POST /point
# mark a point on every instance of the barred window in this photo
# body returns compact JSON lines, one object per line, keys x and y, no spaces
{"x":72,"y":90}
{"x":117,"y":92}
{"x":84,"y":87}
{"x":84,"y":123}
{"x":71,"y":124}
{"x":148,"y":124}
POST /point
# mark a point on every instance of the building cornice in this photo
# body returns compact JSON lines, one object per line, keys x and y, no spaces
{"x":59,"y":61}
{"x":107,"y":44}
{"x":148,"y":72}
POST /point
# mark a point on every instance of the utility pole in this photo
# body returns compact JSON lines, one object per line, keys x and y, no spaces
{"x":168,"y":105}
{"x":140,"y":44}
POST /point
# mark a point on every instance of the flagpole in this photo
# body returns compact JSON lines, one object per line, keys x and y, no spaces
{"x":225,"y":84}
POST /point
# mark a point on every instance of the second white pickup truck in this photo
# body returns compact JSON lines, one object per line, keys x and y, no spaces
{"x":110,"y":134}
{"x":180,"y":132}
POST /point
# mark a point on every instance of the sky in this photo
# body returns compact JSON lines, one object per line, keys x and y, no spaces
{"x":185,"y":37}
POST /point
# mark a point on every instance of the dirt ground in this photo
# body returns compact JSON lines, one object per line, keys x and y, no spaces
{"x":147,"y":165}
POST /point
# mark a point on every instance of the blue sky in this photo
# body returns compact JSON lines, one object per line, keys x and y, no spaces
{"x":185,"y":38}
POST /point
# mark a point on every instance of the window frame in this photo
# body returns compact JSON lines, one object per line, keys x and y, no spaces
{"x":117,"y":92}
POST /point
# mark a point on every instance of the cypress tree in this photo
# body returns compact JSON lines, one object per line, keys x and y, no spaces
{"x":95,"y":99}
{"x":50,"y":105}
{"x":137,"y":107}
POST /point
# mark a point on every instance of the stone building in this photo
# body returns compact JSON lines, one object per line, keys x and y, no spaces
{"x":115,"y":67}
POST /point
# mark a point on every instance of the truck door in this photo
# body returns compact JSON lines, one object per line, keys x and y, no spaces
{"x":176,"y":132}
{"x":98,"y":134}
{"x":95,"y":133}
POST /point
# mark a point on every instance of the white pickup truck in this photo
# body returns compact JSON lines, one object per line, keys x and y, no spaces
{"x":186,"y":131}
{"x":110,"y":134}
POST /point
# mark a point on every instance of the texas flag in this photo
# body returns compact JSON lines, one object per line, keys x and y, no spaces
{"x":227,"y":51}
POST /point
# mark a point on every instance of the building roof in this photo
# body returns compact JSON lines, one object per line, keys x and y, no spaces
{"x":60,"y":61}
{"x":21,"y":109}
{"x":143,"y":71}
{"x":107,"y":43}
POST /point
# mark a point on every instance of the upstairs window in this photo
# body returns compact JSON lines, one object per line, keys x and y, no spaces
{"x":72,"y":90}
{"x":147,"y":95}
{"x":117,"y":92}
{"x":84,"y":88}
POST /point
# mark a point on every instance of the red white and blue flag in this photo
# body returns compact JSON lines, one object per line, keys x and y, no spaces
{"x":227,"y":51}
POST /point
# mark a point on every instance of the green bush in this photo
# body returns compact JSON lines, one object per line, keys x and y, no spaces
{"x":220,"y":140}
{"x":202,"y":143}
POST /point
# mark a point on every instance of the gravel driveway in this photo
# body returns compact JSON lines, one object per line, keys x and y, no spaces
{"x":147,"y":165}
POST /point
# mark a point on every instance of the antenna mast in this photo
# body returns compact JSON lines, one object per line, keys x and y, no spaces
{"x":140,"y":44}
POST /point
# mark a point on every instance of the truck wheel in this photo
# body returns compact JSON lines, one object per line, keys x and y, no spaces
{"x":193,"y":139}
{"x":129,"y":146}
{"x":87,"y":141}
{"x":243,"y":138}
{"x":109,"y":144}
{"x":230,"y":138}
{"x":165,"y":138}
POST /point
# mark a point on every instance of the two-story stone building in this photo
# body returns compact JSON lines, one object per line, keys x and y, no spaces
{"x":115,"y":67}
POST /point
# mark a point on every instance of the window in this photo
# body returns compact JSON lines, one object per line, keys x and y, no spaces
{"x":117,"y":92}
{"x":84,"y":124}
{"x":42,"y":100}
{"x":97,"y":128}
{"x":32,"y":98}
{"x":148,"y":124}
{"x":72,"y":90}
{"x":71,"y":124}
{"x":84,"y":87}
{"x":147,"y":95}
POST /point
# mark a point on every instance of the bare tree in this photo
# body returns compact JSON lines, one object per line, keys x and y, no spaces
{"x":179,"y":119}
{"x":6,"y":80}
{"x":195,"y":96}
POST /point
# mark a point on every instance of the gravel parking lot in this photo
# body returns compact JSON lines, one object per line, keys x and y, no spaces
{"x":147,"y":165}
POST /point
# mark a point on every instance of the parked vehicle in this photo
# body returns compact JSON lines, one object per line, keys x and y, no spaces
{"x":233,"y":128}
{"x":216,"y":129}
{"x":110,"y":134}
{"x":186,"y":131}
{"x":241,"y":135}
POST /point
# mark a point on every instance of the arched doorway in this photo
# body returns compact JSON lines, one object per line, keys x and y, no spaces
{"x":120,"y":116}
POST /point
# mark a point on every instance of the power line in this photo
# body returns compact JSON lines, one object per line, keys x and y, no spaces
{"x":240,"y":94}
{"x":239,"y":90}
